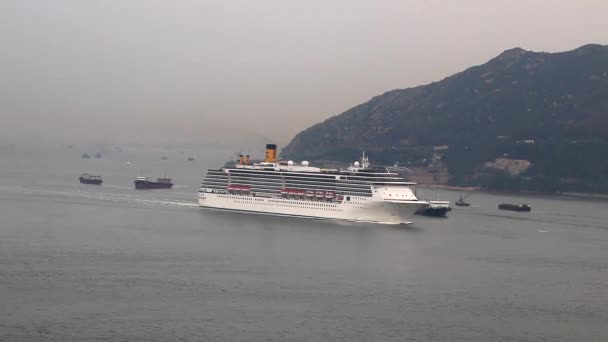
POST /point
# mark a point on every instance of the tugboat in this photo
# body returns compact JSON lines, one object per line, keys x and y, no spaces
{"x":436,"y":209}
{"x":86,"y":178}
{"x":143,"y":183}
{"x":514,"y":207}
{"x":461,"y":202}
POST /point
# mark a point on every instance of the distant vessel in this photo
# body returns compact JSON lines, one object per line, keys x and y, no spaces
{"x":164,"y":158}
{"x":144,"y":183}
{"x":514,"y":207}
{"x":190,"y":158}
{"x":436,"y":209}
{"x":97,"y":155}
{"x":278,"y":187}
{"x":86,"y":178}
{"x":461,"y":202}
{"x":85,"y":155}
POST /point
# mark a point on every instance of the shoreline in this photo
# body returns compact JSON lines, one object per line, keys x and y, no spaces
{"x":450,"y":187}
{"x":574,"y":195}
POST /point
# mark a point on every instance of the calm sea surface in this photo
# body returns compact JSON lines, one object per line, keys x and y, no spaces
{"x":87,"y":263}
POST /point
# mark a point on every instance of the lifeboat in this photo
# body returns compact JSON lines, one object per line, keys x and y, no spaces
{"x":330,"y":194}
{"x":310,"y":193}
{"x":239,"y":188}
{"x":320,"y":194}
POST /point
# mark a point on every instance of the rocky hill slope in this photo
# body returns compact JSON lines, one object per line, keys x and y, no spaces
{"x":550,"y":109}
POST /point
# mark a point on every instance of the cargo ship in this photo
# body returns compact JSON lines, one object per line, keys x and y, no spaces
{"x":143,"y":183}
{"x":86,"y":178}
{"x":361,"y":193}
{"x":514,"y":207}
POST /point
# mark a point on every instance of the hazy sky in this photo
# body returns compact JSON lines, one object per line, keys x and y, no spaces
{"x":185,"y":70}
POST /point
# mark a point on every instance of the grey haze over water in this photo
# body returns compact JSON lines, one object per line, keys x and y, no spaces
{"x":196,"y":71}
{"x":82,"y":263}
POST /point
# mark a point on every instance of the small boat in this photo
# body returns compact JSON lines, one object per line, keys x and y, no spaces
{"x":143,"y":183}
{"x":461,"y":202}
{"x":514,"y":207}
{"x":85,"y":155}
{"x":436,"y":209}
{"x":164,"y":158}
{"x":190,"y":158}
{"x":97,"y":155}
{"x":86,"y":178}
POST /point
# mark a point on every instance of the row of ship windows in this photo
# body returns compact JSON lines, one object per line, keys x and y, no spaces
{"x":298,"y":179}
{"x":273,"y":173}
{"x":298,"y":204}
{"x":279,"y":188}
{"x":276,"y":191}
{"x":293,"y":206}
{"x":305,"y":203}
{"x":242,"y":198}
{"x":308,"y":203}
{"x":290,"y":184}
{"x":292,"y":179}
{"x":288,"y":178}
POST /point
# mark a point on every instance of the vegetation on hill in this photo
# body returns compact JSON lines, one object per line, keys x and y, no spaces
{"x":547,"y":108}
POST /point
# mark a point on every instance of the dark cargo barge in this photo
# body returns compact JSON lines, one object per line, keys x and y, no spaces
{"x":143,"y":183}
{"x":514,"y":207}
{"x":86,"y":178}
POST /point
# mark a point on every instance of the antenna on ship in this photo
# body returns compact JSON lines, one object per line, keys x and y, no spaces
{"x":364,"y":161}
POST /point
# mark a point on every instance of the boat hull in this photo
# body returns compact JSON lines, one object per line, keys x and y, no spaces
{"x":359,"y":209}
{"x":434,"y":212}
{"x":148,"y":185}
{"x":90,"y":181}
{"x":514,"y":207}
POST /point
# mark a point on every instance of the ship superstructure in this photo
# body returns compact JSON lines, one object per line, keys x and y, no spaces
{"x":359,"y":193}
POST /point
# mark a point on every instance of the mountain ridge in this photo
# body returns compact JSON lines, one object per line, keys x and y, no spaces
{"x":554,"y":99}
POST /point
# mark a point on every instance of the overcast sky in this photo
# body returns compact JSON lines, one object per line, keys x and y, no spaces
{"x":185,"y":70}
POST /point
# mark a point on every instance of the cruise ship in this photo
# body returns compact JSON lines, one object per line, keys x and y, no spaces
{"x":275,"y":187}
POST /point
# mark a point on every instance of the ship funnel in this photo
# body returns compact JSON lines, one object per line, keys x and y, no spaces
{"x":271,"y":153}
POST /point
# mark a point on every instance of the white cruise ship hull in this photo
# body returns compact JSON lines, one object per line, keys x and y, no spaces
{"x":356,"y":209}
